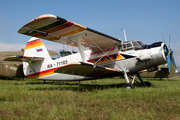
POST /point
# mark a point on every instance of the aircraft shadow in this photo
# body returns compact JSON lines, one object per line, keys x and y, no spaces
{"x":75,"y":86}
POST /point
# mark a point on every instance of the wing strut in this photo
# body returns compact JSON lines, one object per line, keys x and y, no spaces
{"x":107,"y":55}
{"x":77,"y":38}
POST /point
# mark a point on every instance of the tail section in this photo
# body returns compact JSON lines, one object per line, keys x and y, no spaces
{"x":36,"y":48}
{"x":35,"y":57}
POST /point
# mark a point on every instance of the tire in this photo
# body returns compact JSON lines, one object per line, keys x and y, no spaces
{"x":129,"y":86}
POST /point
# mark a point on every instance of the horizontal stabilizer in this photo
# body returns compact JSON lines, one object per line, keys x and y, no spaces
{"x":85,"y":69}
{"x":23,"y":58}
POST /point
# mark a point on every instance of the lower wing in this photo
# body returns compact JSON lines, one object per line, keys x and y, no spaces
{"x":86,"y":69}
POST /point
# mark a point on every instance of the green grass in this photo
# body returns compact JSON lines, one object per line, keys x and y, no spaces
{"x":107,"y":99}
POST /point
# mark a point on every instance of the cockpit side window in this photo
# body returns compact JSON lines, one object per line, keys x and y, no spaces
{"x":129,"y":45}
{"x":120,"y":47}
{"x":124,"y":46}
{"x":135,"y":44}
{"x":140,"y":43}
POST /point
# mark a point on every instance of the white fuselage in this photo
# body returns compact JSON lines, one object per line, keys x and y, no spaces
{"x":130,"y":60}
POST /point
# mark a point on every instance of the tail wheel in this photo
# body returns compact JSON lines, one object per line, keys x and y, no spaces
{"x":129,"y":86}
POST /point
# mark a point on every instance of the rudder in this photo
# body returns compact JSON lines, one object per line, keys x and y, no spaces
{"x":37,"y":54}
{"x":36,"y":48}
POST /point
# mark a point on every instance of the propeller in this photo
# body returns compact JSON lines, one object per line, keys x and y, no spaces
{"x":169,"y":54}
{"x":170,"y":58}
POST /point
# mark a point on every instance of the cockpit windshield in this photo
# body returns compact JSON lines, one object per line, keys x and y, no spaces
{"x":137,"y":45}
{"x":133,"y":44}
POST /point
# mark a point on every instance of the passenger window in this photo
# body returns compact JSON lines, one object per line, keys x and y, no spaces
{"x":102,"y":59}
{"x":96,"y":59}
{"x":108,"y":58}
{"x":115,"y":56}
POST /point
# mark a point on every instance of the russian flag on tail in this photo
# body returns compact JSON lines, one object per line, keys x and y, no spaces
{"x":39,"y":49}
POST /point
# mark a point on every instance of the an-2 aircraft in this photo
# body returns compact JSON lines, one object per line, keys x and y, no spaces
{"x":106,"y":56}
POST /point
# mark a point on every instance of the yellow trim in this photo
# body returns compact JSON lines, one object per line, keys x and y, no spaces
{"x":73,"y":32}
{"x":33,"y":44}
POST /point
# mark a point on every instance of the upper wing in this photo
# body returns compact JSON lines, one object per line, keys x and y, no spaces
{"x":86,"y":69}
{"x":54,"y":28}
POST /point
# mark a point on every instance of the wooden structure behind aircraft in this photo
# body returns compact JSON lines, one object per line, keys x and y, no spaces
{"x":14,"y":68}
{"x":159,"y":72}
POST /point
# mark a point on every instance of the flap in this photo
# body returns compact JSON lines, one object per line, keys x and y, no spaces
{"x":54,"y":28}
{"x":20,"y":53}
{"x":86,"y":69}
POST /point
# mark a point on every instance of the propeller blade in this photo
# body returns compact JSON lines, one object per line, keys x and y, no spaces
{"x":168,"y":61}
{"x":171,"y":51}
{"x":173,"y":61}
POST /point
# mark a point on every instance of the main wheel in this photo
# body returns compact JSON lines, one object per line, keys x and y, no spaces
{"x":129,"y":86}
{"x":147,"y":84}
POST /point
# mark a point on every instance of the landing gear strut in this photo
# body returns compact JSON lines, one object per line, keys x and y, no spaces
{"x":128,"y":85}
{"x":140,"y":78}
{"x":44,"y":81}
{"x":147,"y":84}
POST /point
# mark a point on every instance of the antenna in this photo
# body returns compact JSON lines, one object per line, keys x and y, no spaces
{"x":163,"y":38}
{"x":169,"y":39}
{"x":124,"y":34}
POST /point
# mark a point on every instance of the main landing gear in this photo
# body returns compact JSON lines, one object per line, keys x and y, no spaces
{"x":129,"y":85}
{"x":146,"y":83}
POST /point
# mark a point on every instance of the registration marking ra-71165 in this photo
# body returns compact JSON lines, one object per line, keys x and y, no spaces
{"x":57,"y":64}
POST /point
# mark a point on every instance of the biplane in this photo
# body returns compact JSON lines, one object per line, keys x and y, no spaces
{"x":99,"y":56}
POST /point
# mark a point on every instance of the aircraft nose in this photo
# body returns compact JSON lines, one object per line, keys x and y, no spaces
{"x":169,"y":56}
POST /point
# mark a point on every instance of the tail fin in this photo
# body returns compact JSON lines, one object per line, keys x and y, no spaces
{"x":35,"y":55}
{"x":36,"y":48}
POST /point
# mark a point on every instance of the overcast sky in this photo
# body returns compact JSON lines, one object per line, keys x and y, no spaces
{"x":143,"y":20}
